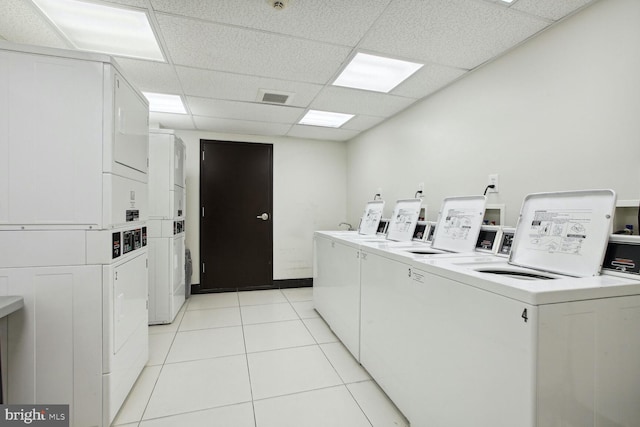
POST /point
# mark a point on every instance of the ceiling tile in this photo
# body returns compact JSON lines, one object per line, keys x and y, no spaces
{"x":216,"y":84}
{"x":427,"y":80}
{"x":550,"y":9}
{"x":353,"y":101}
{"x":171,"y":121}
{"x":457,"y":33}
{"x":334,"y":21}
{"x":20,"y":22}
{"x":151,"y":76}
{"x":231,"y":49}
{"x":362,"y":122}
{"x":240,"y":126}
{"x":317,"y":132}
{"x":208,"y":107}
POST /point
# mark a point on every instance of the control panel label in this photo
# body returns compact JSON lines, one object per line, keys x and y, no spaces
{"x":133,"y":215}
{"x":116,"y":245}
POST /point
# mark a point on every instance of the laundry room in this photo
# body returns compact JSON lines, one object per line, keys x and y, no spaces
{"x":225,"y":213}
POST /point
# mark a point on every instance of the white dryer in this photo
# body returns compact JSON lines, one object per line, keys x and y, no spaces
{"x":167,"y":214}
{"x":76,"y":189}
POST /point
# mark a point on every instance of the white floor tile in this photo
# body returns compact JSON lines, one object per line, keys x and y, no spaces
{"x":125,"y":425}
{"x":333,"y":407}
{"x":279,"y":372}
{"x":298,"y":294}
{"x":305,"y":309}
{"x":271,"y":296}
{"x":164,"y":329}
{"x":206,"y":343}
{"x":319,"y":330}
{"x":267,"y":313}
{"x":210,"y":318}
{"x":218,"y":300}
{"x":240,"y":415}
{"x":276,"y":335}
{"x":347,"y":367}
{"x":376,"y":405}
{"x":133,"y":407}
{"x":202,"y":384}
{"x":159,"y":345}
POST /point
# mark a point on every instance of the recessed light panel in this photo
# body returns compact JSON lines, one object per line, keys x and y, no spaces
{"x":325,"y":119}
{"x":164,"y":103}
{"x":375,"y":73}
{"x":105,"y":29}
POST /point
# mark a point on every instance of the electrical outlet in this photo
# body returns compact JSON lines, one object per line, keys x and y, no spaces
{"x":493,"y":180}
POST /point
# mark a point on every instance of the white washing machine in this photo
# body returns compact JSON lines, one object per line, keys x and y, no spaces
{"x":166,"y":223}
{"x":554,"y":345}
{"x":73,"y":177}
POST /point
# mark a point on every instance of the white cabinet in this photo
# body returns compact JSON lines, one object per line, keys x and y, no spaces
{"x":54,"y":344}
{"x":336,"y":289}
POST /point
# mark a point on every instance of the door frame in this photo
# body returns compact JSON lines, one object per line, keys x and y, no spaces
{"x":199,"y":288}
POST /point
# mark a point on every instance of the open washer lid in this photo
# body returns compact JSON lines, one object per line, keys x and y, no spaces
{"x":459,"y":222}
{"x":564,"y":232}
{"x":371,"y":217}
{"x":404,"y":220}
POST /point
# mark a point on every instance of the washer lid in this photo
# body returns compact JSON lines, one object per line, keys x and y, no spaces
{"x":371,"y":217}
{"x":459,"y":222}
{"x":404,"y":220}
{"x":564,"y":232}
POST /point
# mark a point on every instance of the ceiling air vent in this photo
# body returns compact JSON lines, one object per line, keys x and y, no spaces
{"x":274,"y":97}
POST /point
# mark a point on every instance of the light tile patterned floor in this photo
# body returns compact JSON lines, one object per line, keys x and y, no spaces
{"x":253,"y":359}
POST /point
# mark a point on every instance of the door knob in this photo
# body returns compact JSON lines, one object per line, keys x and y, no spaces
{"x":264,"y":216}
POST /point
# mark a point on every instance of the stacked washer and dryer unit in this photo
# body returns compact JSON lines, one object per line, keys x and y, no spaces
{"x":166,"y":225}
{"x":73,"y":236}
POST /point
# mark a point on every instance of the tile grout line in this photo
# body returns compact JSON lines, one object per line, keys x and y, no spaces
{"x":246,"y":359}
{"x":164,"y":361}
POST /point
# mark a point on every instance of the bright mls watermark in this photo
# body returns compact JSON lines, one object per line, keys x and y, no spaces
{"x":34,"y":415}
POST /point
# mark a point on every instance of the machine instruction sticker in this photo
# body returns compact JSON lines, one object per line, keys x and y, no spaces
{"x":404,"y":221}
{"x":458,"y":223}
{"x":371,"y":218}
{"x":562,"y":231}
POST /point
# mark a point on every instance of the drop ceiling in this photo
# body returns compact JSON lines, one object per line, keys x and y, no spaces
{"x":222,"y":55}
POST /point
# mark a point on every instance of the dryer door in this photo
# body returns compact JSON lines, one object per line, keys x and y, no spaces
{"x":130,"y":282}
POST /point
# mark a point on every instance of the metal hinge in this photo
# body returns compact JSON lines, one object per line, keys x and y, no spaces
{"x":203,"y":268}
{"x":203,"y":212}
{"x":202,"y":155}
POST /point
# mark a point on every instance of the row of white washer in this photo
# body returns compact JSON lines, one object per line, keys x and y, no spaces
{"x":453,"y":343}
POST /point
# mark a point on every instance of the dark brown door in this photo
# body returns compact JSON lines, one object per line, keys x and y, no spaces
{"x":236,"y":233}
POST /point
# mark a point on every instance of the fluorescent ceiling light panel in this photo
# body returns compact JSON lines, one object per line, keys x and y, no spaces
{"x":325,"y":119}
{"x":105,"y":29}
{"x":164,"y":103}
{"x":375,"y":73}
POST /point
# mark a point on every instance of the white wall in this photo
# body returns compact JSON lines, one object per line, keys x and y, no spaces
{"x":309,"y":193}
{"x":560,"y":112}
